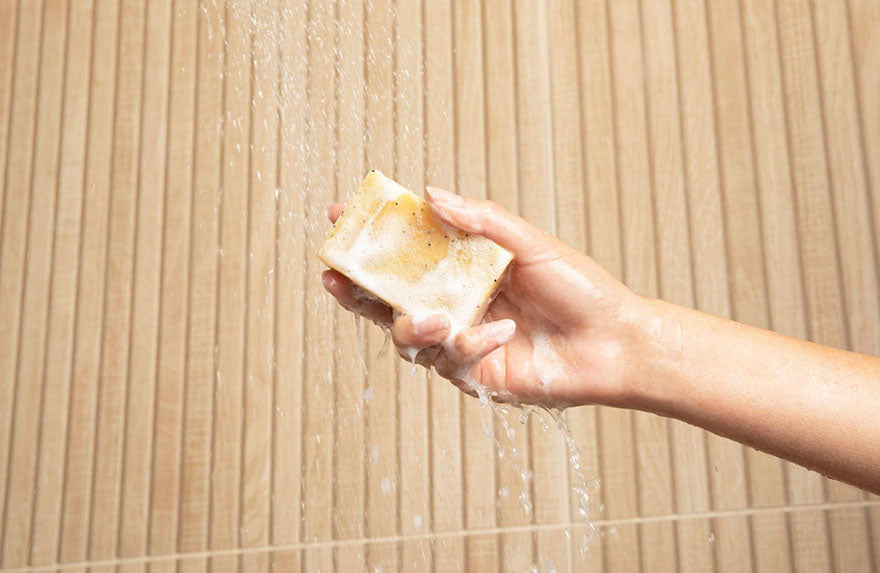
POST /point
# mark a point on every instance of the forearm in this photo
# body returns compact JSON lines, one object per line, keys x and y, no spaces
{"x":814,"y":405}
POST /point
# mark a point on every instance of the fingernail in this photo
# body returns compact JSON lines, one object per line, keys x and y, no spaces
{"x":445,"y":213}
{"x":501,"y":331}
{"x":450,"y":208}
{"x":437,"y":195}
{"x":430,"y":324}
{"x":327,"y":279}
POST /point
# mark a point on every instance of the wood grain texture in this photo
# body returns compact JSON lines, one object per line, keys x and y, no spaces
{"x":349,"y":518}
{"x":31,"y":332}
{"x":479,"y":461}
{"x":177,"y":392}
{"x":13,"y":242}
{"x":414,"y":485}
{"x":113,"y":357}
{"x":49,"y":471}
{"x":90,"y":287}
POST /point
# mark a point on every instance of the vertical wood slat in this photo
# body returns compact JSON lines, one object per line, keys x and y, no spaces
{"x":229,"y":384}
{"x":678,"y":229}
{"x":814,"y":208}
{"x":723,"y":461}
{"x":857,"y":273}
{"x":9,"y":16}
{"x":655,"y":480}
{"x":847,"y":178}
{"x":779,"y":222}
{"x":765,"y":484}
{"x":22,"y":126}
{"x":678,"y":280}
{"x":113,"y":366}
{"x":500,"y":115}
{"x":319,"y":431}
{"x":291,"y":285}
{"x":31,"y":330}
{"x":46,"y":518}
{"x":712,"y":222}
{"x":382,"y":469}
{"x":471,"y":180}
{"x":866,"y":54}
{"x":174,"y":278}
{"x":804,"y":485}
{"x":255,"y":512}
{"x":349,"y":509}
{"x":447,"y":495}
{"x":572,"y":227}
{"x":619,"y":486}
{"x":730,"y":464}
{"x":143,"y":354}
{"x":863,"y":21}
{"x":195,"y":492}
{"x":90,"y":289}
{"x":413,"y":402}
{"x":537,"y":204}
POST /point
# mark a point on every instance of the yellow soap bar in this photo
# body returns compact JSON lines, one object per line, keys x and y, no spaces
{"x":388,"y":243}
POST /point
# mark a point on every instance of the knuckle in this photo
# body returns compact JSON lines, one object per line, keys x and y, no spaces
{"x":463,"y":344}
{"x":400,"y":332}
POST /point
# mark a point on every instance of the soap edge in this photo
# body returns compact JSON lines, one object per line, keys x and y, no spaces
{"x":376,"y":178}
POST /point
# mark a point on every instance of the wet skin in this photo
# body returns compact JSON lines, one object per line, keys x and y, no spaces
{"x":595,"y":341}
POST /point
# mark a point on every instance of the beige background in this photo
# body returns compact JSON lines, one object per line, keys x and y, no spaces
{"x":176,"y":390}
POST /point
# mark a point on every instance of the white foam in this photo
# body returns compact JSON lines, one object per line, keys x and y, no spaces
{"x":575,"y":278}
{"x":610,"y":349}
{"x":409,"y":352}
{"x":627,"y":315}
{"x":418,"y":319}
{"x":447,"y":287}
{"x":655,"y":327}
{"x":546,"y":360}
{"x":391,"y":189}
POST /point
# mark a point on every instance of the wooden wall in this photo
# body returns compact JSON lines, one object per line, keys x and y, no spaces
{"x":177,"y":391}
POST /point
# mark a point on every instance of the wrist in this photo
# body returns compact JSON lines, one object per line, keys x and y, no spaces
{"x":653,"y":338}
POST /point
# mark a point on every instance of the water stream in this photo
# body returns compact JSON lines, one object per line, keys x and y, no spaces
{"x":312,"y":101}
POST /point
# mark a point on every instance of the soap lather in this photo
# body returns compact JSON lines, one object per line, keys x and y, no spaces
{"x":389,"y":244}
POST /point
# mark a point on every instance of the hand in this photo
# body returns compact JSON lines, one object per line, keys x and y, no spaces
{"x":559,"y":334}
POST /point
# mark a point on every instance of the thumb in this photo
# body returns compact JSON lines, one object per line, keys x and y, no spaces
{"x":526,"y":241}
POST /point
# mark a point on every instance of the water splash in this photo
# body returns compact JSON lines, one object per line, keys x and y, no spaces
{"x":330,"y":115}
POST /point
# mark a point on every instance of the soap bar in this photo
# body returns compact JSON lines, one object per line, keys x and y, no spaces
{"x":388,"y":243}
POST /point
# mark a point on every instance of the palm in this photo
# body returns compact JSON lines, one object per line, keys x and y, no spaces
{"x":562,"y":352}
{"x":566,"y":347}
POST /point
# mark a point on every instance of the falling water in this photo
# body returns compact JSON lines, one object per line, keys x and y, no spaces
{"x":313,"y":100}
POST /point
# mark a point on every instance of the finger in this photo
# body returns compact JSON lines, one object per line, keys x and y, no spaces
{"x":344,"y":290}
{"x":464,"y":387}
{"x":335,"y":210}
{"x":426,"y":356}
{"x":419,"y":331}
{"x":473,"y":344}
{"x":492,"y":221}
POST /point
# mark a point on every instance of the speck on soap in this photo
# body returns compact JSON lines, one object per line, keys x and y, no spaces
{"x":388,"y":243}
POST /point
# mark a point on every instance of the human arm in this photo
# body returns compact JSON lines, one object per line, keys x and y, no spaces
{"x":582,"y":337}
